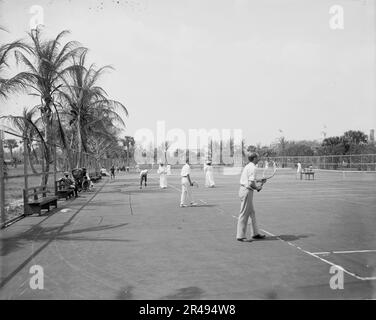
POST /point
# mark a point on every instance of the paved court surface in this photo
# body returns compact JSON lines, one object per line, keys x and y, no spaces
{"x":120,"y":242}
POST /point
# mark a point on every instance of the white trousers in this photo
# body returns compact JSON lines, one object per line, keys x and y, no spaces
{"x":186,"y":192}
{"x":209,"y":179}
{"x":163,"y":180}
{"x":246,"y":211}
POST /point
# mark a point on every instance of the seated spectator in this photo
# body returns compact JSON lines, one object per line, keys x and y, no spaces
{"x":69,"y":183}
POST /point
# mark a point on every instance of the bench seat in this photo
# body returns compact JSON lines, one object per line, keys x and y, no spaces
{"x":41,"y":200}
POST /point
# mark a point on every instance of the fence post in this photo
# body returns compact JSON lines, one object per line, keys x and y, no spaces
{"x":2,"y":183}
{"x":26,"y":184}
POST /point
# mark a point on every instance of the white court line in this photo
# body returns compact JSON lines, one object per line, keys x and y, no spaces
{"x":349,"y":251}
{"x":322,"y":259}
{"x":316,"y":255}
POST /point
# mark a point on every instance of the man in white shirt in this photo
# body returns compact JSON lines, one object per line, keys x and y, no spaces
{"x":186,"y":184}
{"x":247,"y":186}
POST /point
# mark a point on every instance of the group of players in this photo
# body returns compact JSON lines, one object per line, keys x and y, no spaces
{"x":248,"y":184}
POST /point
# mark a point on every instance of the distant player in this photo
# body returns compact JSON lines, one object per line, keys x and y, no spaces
{"x":209,"y":178}
{"x":162,"y":171}
{"x":143,"y":177}
{"x":112,"y":170}
{"x":299,"y":170}
{"x":186,"y":184}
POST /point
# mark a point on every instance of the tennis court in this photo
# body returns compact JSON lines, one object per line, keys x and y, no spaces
{"x":125,"y":243}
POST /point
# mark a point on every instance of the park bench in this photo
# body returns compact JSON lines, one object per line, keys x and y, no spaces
{"x":42,"y":199}
{"x":95,"y":176}
{"x":307,"y":174}
{"x":62,"y":191}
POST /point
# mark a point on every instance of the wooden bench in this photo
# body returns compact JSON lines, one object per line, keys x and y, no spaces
{"x":62,"y":191}
{"x":307,"y":174}
{"x":95,"y":176}
{"x":45,"y":199}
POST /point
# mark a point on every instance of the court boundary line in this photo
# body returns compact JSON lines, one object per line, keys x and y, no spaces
{"x":315,"y":255}
{"x":345,"y":251}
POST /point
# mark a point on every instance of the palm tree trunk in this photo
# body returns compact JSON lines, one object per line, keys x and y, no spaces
{"x":221,"y":152}
{"x":79,"y":142}
{"x":11,"y":152}
{"x":48,"y":149}
{"x":30,"y":160}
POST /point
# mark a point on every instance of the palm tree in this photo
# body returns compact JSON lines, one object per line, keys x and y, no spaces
{"x":87,"y":105}
{"x":11,"y":144}
{"x":129,"y":143}
{"x":10,"y":85}
{"x":46,"y":62}
{"x":26,"y":126}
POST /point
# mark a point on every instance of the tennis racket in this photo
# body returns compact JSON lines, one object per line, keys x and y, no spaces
{"x":270,"y":169}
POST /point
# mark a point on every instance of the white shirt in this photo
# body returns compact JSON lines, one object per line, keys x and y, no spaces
{"x":299,"y":167}
{"x":162,"y":170}
{"x":248,"y":174}
{"x":145,"y":171}
{"x":208,"y":169}
{"x":186,"y":170}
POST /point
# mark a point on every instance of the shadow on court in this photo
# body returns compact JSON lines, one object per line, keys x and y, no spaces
{"x":185,"y":294}
{"x":40,"y":234}
{"x":287,"y":237}
{"x":284,"y":237}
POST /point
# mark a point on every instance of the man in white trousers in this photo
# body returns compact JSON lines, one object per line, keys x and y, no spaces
{"x":186,"y":184}
{"x":162,"y":171}
{"x":247,"y":186}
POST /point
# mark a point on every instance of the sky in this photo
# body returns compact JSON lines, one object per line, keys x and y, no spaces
{"x":269,"y":68}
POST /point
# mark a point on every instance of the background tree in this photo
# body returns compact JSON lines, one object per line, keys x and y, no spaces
{"x":10,"y":144}
{"x":46,"y":61}
{"x":13,"y":84}
{"x":26,"y":126}
{"x":87,"y":105}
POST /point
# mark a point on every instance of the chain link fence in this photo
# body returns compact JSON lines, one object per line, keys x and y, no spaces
{"x":358,"y":162}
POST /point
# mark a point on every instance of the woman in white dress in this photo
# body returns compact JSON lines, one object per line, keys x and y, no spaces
{"x":299,"y":170}
{"x":162,"y":171}
{"x":209,"y":179}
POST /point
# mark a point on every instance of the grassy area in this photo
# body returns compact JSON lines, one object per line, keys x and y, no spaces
{"x":14,"y":187}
